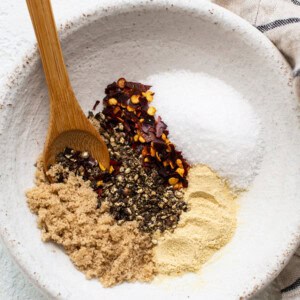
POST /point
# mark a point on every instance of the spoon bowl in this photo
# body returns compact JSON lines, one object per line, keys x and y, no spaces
{"x":74,"y":139}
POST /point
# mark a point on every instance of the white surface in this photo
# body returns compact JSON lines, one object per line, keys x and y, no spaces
{"x":16,"y":35}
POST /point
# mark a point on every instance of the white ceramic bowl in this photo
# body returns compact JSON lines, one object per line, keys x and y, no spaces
{"x":137,"y":39}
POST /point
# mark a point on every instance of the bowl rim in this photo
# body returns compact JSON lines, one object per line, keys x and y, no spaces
{"x":109,"y":7}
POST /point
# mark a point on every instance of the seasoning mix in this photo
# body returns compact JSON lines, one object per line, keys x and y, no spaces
{"x":113,"y":222}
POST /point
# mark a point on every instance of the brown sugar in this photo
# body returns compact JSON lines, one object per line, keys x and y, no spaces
{"x":68,"y":215}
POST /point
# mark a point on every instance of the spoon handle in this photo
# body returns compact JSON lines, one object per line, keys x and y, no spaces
{"x":50,"y":50}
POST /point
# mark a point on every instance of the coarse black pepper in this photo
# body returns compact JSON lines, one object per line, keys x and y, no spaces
{"x":133,"y":192}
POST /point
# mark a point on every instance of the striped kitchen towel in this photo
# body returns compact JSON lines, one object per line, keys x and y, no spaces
{"x":279,"y":20}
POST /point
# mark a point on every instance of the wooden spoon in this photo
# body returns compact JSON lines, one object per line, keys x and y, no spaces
{"x":68,"y":126}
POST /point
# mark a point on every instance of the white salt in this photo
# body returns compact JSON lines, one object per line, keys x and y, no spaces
{"x":210,"y":122}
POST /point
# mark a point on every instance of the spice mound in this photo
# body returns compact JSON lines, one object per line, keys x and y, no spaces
{"x":68,"y":215}
{"x":204,"y":229}
{"x":149,"y":213}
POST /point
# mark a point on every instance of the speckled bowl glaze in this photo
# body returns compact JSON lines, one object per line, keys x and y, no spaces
{"x":137,"y":39}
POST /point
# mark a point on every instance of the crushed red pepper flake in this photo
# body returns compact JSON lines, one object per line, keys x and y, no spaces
{"x":128,"y":103}
{"x":96,"y":104}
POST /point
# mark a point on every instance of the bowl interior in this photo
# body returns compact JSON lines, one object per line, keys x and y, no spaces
{"x":140,"y":43}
